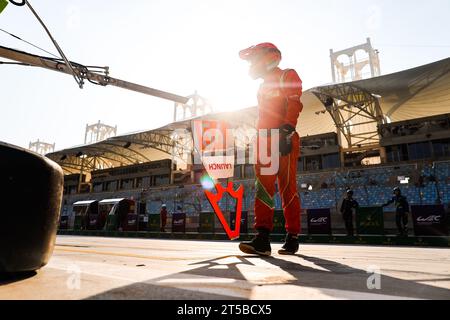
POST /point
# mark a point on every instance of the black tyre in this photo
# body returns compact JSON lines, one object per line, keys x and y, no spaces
{"x":31,"y":188}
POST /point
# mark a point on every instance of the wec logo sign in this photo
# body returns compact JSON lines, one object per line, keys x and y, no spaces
{"x":432,"y":218}
{"x":319,"y":220}
{"x":429,"y":220}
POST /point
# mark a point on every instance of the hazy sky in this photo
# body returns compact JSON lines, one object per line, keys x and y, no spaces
{"x":187,"y":45}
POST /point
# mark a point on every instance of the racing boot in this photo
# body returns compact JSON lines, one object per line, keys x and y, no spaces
{"x":260,"y":244}
{"x":290,"y":246}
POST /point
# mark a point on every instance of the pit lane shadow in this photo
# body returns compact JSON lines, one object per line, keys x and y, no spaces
{"x":8,"y":278}
{"x":326,"y":274}
{"x":334,"y":275}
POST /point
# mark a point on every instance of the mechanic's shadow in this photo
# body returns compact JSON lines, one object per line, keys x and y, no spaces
{"x":334,"y":275}
{"x":325,"y":274}
{"x":305,"y":271}
{"x":218,"y":267}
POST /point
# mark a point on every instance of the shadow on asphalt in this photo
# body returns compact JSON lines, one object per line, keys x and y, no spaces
{"x":329,"y":275}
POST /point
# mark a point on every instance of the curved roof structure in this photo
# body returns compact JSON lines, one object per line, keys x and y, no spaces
{"x":410,"y":94}
{"x":143,"y":146}
{"x":414,"y":93}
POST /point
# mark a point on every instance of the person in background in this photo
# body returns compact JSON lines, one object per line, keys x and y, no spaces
{"x":401,"y":211}
{"x":163,"y":215}
{"x":348,"y":205}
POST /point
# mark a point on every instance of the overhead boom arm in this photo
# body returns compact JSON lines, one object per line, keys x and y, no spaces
{"x":83,"y":72}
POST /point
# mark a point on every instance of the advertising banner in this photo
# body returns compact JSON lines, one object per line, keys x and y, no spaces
{"x":92,"y":218}
{"x":206,"y":222}
{"x":429,"y":220}
{"x":179,"y":222}
{"x":143,"y":222}
{"x":370,"y":220}
{"x":319,"y":221}
{"x":64,"y":223}
{"x":131,"y":222}
{"x":154,"y":222}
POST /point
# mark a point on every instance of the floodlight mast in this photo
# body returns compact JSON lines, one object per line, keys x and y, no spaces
{"x":85,"y":73}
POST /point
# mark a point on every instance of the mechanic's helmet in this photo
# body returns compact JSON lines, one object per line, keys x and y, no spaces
{"x":396,"y":189}
{"x":263,"y":58}
{"x":350,"y":192}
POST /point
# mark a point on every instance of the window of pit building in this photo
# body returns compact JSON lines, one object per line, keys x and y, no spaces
{"x":161,"y":180}
{"x":421,"y":150}
{"x":72,"y":190}
{"x":126,"y":184}
{"x":313,"y":163}
{"x":441,"y":148}
{"x":98,"y":187}
{"x":331,"y":161}
{"x":143,"y":182}
{"x":300,"y":165}
{"x":397,"y":153}
{"x":111,"y":186}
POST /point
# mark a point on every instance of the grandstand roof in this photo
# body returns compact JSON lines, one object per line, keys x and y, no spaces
{"x":139,"y":147}
{"x":414,"y":93}
{"x":410,"y":94}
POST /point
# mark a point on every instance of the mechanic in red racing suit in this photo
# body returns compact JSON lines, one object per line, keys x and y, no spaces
{"x":279,"y":107}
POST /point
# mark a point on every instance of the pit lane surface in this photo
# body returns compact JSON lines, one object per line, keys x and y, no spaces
{"x":118,"y":268}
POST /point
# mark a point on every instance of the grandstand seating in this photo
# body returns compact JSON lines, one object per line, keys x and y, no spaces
{"x":372,"y":187}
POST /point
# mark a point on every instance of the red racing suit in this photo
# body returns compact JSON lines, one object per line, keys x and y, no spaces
{"x":163,"y":215}
{"x":279,"y":104}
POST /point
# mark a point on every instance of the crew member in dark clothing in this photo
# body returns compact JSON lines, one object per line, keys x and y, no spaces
{"x":348,"y":204}
{"x":402,"y":210}
{"x":163,"y":214}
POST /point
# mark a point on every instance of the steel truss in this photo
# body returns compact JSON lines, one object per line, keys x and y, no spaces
{"x":123,"y":150}
{"x":351,"y":107}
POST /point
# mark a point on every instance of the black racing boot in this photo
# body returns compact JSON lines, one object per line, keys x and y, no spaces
{"x":259,"y":245}
{"x":290,"y":246}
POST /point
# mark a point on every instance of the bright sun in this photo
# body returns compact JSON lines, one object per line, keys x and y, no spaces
{"x":228,"y":86}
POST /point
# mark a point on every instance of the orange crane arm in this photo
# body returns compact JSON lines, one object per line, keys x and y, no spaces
{"x":94,"y":76}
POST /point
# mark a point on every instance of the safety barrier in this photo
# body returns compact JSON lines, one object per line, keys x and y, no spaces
{"x":275,"y":238}
{"x":427,"y":220}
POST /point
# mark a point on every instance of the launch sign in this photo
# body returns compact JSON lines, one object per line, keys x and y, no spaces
{"x":214,"y":144}
{"x":219,"y":167}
